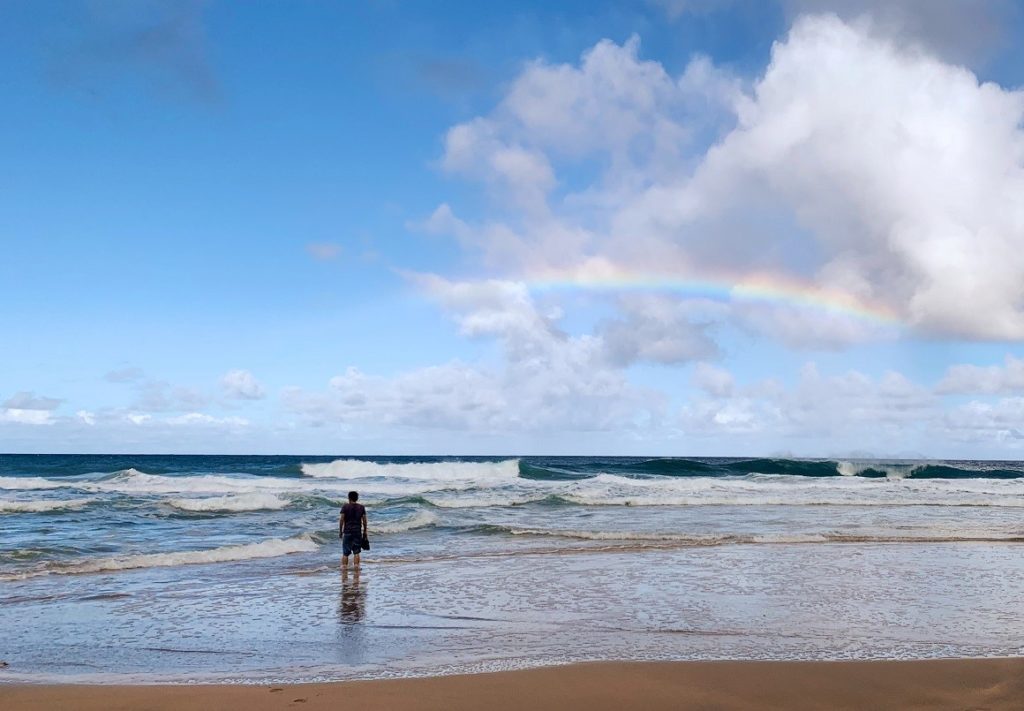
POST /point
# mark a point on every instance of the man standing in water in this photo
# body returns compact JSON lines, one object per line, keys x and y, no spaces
{"x":352,"y":528}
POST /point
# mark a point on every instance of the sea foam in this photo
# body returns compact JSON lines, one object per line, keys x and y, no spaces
{"x":229,"y":504}
{"x":420,"y":519}
{"x":433,"y":471}
{"x":28,"y":483}
{"x":265,"y":549}
{"x":8,"y":506}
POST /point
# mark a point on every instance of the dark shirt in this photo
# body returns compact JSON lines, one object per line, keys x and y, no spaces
{"x":353,"y":514}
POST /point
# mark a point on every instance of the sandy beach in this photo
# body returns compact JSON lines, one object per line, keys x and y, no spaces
{"x":936,"y":684}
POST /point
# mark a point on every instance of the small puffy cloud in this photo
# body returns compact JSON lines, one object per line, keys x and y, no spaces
{"x":26,"y":417}
{"x":992,"y":379}
{"x":27,"y":408}
{"x":242,"y":385}
{"x":29,"y":401}
{"x":323,"y":251}
{"x":199,"y":419}
{"x":86,"y":417}
{"x":496,"y":308}
{"x":442,"y":221}
{"x":188,"y":419}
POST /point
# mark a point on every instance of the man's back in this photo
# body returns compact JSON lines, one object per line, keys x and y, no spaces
{"x":353,"y":514}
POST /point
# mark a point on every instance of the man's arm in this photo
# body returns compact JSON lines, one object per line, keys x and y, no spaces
{"x":364,"y":524}
{"x":341,"y":524}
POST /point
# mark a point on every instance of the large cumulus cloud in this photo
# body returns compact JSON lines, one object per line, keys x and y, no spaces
{"x":852,"y":164}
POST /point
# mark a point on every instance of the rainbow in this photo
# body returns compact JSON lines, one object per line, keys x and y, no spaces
{"x":760,"y":287}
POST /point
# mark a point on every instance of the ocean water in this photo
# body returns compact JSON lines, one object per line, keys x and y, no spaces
{"x":213,"y":568}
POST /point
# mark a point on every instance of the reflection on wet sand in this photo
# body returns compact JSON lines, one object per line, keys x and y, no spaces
{"x":352,"y":602}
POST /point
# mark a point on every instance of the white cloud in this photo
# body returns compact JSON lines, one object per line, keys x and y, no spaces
{"x":87,"y":417}
{"x":886,"y":413}
{"x":966,"y":378}
{"x":26,"y":417}
{"x":904,"y":171}
{"x":656,"y":328}
{"x":442,"y":221}
{"x":26,"y":408}
{"x":852,"y":165}
{"x":188,"y":419}
{"x":241,"y":384}
{"x":546,"y":379}
{"x":518,"y":174}
{"x":987,"y":423}
{"x":202,"y":419}
{"x":802,"y":327}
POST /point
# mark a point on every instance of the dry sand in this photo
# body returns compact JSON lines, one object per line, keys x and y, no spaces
{"x":961,"y":684}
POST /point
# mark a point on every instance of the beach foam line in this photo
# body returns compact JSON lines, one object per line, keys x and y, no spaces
{"x":231,"y":504}
{"x":28,"y":483}
{"x":434,"y":471}
{"x":682,"y":539}
{"x":458,"y":500}
{"x":8,"y":506}
{"x":271,"y":548}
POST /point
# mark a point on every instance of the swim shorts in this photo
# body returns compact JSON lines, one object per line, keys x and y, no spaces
{"x":351,"y":543}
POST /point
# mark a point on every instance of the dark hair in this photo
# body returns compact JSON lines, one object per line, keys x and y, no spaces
{"x":353,"y":496}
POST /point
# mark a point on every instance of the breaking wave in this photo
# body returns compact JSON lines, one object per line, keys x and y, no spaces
{"x":42,"y":506}
{"x":228,"y":504}
{"x":433,"y":471}
{"x":819,"y":468}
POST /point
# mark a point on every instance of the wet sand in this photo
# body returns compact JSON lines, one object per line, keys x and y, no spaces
{"x":934,"y":684}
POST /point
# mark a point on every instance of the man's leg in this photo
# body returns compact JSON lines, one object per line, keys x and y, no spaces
{"x":344,"y":561}
{"x":357,"y":559}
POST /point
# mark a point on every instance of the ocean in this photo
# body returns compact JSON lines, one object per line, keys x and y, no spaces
{"x":226,"y":568}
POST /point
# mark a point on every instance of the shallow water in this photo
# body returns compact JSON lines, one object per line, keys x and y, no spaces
{"x":228,"y":569}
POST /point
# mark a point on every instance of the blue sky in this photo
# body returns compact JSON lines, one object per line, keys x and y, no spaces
{"x":319,"y":227}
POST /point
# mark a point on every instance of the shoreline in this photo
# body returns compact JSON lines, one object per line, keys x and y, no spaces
{"x":740,"y":685}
